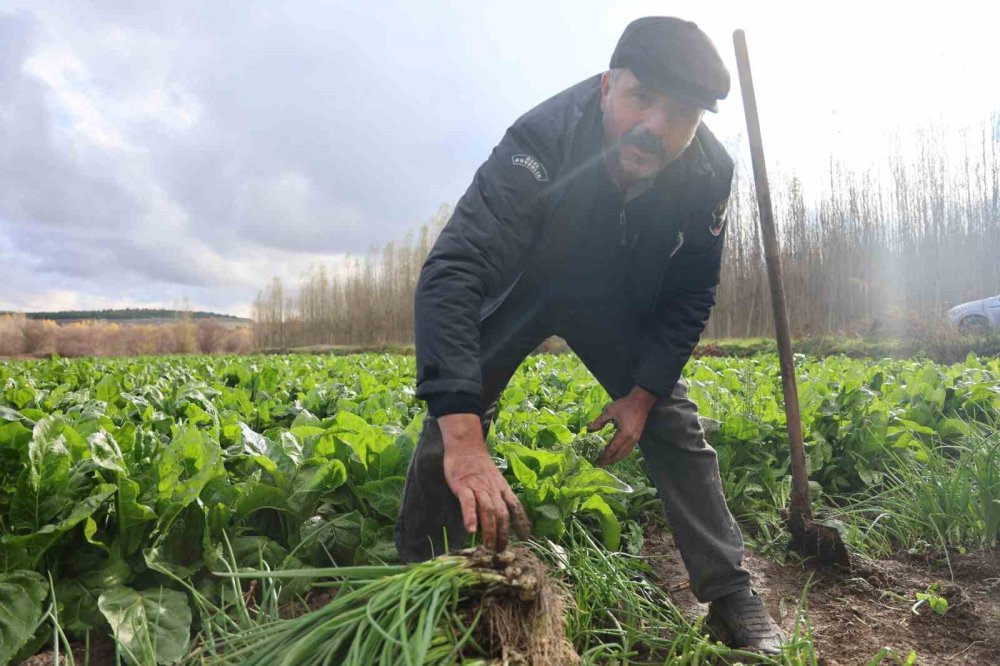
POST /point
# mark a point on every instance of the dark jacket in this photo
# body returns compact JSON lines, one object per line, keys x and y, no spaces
{"x":532,"y":192}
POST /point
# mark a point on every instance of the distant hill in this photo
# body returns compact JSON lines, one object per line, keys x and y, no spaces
{"x":130,"y":315}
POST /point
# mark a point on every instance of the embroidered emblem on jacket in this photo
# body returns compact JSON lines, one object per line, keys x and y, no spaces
{"x":532,"y":164}
{"x":719,"y":217}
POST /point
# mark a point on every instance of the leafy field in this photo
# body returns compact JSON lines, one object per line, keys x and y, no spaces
{"x":124,"y":484}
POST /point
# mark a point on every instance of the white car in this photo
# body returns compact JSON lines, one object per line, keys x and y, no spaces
{"x":976,"y":316}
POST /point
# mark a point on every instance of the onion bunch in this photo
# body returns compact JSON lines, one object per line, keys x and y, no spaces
{"x":466,"y":606}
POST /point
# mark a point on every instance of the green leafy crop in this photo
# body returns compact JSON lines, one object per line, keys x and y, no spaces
{"x":126,"y":482}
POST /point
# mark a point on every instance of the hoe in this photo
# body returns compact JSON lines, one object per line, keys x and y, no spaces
{"x":809,"y":538}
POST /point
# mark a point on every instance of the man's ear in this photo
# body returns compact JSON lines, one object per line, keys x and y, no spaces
{"x":605,"y":88}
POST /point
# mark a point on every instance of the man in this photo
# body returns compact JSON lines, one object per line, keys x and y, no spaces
{"x":600,"y":218}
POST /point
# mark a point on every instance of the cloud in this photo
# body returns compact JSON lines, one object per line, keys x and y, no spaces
{"x":89,"y":203}
{"x":151,"y":151}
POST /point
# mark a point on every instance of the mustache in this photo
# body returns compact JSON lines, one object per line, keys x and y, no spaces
{"x":645,"y":141}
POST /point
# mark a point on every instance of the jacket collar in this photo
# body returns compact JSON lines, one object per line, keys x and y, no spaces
{"x":702,"y":166}
{"x":694,"y":160}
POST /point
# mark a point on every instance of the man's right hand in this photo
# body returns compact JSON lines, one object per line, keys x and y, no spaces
{"x":486,"y":498}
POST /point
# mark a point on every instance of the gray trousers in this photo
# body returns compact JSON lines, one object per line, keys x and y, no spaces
{"x":678,"y":459}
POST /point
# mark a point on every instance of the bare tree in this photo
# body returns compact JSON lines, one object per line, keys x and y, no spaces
{"x":882,"y":250}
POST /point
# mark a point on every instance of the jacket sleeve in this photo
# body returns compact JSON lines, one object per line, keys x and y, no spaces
{"x":686,"y":298}
{"x":478,"y":253}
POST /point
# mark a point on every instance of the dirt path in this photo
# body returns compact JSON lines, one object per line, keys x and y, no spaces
{"x":856,"y":613}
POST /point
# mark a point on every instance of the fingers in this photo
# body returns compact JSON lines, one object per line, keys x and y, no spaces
{"x":522,"y":525}
{"x":467,"y":499}
{"x":490,"y":507}
{"x":495,"y":519}
{"x":496,"y":510}
{"x":621,"y":445}
{"x":503,"y":522}
{"x":600,"y":422}
{"x":487,"y":519}
{"x":608,"y":453}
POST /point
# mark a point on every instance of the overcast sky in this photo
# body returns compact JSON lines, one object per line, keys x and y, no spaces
{"x":151,"y":152}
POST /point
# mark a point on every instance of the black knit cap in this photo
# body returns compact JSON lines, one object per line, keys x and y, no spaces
{"x":673,"y":56}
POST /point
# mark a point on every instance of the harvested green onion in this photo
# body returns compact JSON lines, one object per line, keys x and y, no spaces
{"x":466,"y":605}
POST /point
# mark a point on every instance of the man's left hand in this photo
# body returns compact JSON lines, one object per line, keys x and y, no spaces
{"x":629,"y":416}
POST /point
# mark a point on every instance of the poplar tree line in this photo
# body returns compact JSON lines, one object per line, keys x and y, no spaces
{"x":883,"y":251}
{"x":368,"y":301}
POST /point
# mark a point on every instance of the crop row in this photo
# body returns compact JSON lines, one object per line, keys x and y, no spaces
{"x":120,"y":479}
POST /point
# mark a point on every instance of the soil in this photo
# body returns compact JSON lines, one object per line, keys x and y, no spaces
{"x":856,"y":613}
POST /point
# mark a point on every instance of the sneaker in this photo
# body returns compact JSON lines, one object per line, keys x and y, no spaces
{"x":741,"y":621}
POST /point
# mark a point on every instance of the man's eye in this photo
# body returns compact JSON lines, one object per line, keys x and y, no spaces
{"x":689,"y":114}
{"x":645,"y":99}
{"x":688,"y":111}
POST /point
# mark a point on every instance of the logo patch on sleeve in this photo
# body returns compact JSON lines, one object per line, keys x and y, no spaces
{"x":532,"y":164}
{"x":719,"y":217}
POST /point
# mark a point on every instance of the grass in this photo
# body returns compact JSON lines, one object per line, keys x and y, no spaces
{"x":378,"y":614}
{"x":407,"y":615}
{"x":621,"y":617}
{"x":457,"y":607}
{"x":946,"y":500}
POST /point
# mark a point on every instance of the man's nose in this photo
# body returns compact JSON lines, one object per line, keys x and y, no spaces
{"x":655,"y":120}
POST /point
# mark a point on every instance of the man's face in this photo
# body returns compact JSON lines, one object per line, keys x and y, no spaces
{"x":644,"y":130}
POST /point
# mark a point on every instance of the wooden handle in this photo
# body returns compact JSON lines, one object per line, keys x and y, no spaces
{"x":800,"y":479}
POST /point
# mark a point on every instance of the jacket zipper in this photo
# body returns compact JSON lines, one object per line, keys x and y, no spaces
{"x":663,"y":270}
{"x":623,"y":223}
{"x":677,"y":246}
